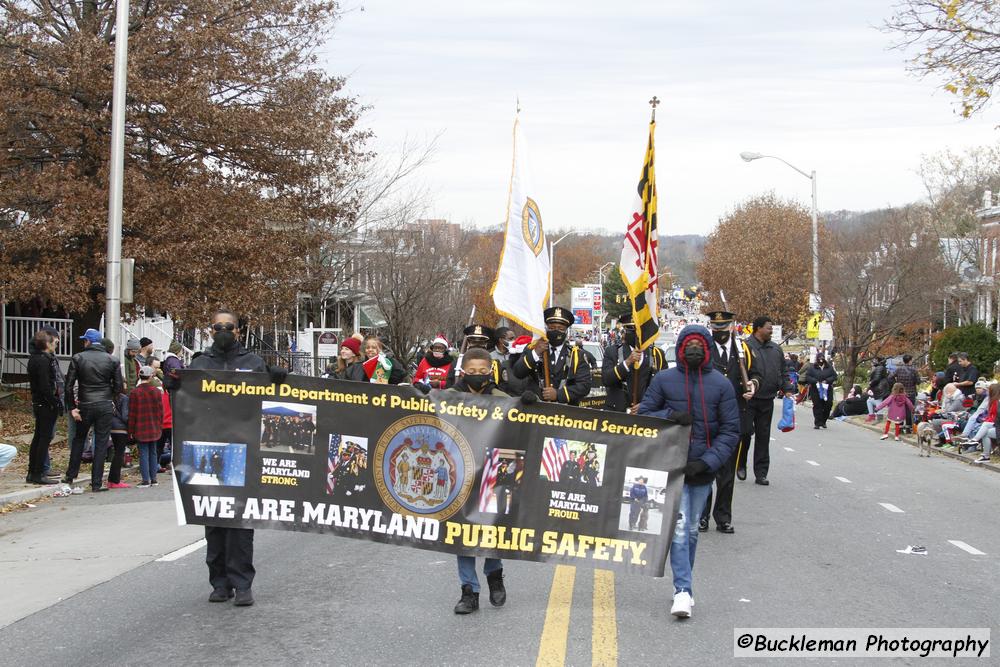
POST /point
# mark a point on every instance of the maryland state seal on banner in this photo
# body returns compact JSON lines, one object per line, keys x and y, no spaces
{"x":424,"y":466}
{"x":531,"y":226}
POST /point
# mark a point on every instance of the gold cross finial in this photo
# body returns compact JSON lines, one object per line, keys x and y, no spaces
{"x":655,"y":102}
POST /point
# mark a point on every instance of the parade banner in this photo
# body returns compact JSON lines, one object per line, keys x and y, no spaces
{"x":447,"y":471}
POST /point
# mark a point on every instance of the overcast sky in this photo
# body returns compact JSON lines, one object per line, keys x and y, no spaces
{"x":811,"y":81}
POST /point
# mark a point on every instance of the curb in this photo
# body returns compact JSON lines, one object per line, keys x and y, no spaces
{"x":28,"y":494}
{"x":912,"y":441}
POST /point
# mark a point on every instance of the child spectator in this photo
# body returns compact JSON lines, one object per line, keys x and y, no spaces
{"x":899,"y":407}
{"x":165,"y":446}
{"x":145,"y":423}
{"x":986,"y":432}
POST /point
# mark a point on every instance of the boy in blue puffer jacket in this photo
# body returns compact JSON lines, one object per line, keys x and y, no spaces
{"x":693,"y":392}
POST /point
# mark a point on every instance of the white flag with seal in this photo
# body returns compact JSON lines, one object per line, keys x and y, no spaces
{"x":521,"y":290}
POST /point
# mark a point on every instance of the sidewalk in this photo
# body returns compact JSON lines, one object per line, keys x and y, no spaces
{"x":911,"y":439}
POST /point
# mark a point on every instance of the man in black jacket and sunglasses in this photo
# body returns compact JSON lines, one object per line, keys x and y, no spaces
{"x":230,"y":550}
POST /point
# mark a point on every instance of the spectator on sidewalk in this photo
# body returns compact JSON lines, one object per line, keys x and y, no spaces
{"x":970,"y":374}
{"x":145,"y":424}
{"x":119,"y":442}
{"x":93,"y":382}
{"x":165,"y":448}
{"x":145,"y":354}
{"x":131,"y":364}
{"x":906,"y":375}
{"x":172,"y":365}
{"x":46,"y":404}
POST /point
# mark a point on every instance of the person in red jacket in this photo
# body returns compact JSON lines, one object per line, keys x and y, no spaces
{"x":434,"y":367}
{"x":145,"y":423}
{"x":166,"y":437}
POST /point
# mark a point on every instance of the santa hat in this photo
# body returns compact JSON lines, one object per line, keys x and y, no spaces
{"x":519,"y":344}
{"x":440,"y":340}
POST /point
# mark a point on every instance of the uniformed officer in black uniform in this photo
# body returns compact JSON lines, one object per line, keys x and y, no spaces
{"x":726,"y":359}
{"x":476,"y":335}
{"x":618,"y":370}
{"x":569,"y":372}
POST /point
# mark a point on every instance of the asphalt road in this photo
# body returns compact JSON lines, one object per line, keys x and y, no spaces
{"x":818,"y":548}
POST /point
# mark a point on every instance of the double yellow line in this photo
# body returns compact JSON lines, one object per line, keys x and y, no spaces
{"x":604,"y":637}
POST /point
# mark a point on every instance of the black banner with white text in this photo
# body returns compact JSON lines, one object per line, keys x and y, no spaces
{"x":447,"y":471}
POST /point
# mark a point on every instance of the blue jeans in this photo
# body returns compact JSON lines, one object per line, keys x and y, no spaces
{"x":685,"y":540}
{"x":8,"y":452}
{"x":148,"y":464}
{"x":467,"y":570}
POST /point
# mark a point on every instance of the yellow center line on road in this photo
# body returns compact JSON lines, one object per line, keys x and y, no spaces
{"x":604,"y":639}
{"x":552,"y":649}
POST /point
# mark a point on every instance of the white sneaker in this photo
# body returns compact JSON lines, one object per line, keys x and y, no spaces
{"x":682,"y":605}
{"x":884,"y":437}
{"x":897,"y":438}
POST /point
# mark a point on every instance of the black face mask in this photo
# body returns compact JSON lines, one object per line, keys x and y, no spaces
{"x":477,"y":382}
{"x":631,"y":339}
{"x":556,"y":337}
{"x":721,"y":337}
{"x":224,"y":340}
{"x":693,"y":356}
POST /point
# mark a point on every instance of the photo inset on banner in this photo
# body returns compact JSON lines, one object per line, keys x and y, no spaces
{"x":643,"y":496}
{"x":288,"y":428}
{"x":572,"y":462}
{"x":499,"y":491}
{"x":347,"y":466}
{"x":213,"y":463}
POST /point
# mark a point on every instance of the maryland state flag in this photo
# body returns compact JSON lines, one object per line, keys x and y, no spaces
{"x":638,"y":261}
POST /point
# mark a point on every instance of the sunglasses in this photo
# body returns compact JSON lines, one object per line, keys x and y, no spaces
{"x":228,"y":326}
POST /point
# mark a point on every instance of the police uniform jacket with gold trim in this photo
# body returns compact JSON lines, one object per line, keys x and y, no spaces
{"x":569,"y":372}
{"x":617,"y":375}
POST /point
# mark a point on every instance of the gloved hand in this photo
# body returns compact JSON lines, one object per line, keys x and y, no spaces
{"x":695,"y":467}
{"x":682,"y":418}
{"x":422,"y":387}
{"x":278,"y":374}
{"x":529,"y":397}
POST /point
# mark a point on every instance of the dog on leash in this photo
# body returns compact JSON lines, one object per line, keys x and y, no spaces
{"x":927,"y":435}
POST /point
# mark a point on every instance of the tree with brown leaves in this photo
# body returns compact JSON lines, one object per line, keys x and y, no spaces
{"x":234,"y":143}
{"x":760,"y":255}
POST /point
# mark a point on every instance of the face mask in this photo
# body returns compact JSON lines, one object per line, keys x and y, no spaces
{"x":631,"y":339}
{"x":556,"y":337}
{"x":721,"y":337}
{"x":224,"y":340}
{"x":477,"y":382}
{"x":693,"y":356}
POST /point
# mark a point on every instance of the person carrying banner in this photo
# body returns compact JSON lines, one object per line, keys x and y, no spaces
{"x":772,"y":370}
{"x":433,"y":369}
{"x":627,"y":370}
{"x":733,"y":363}
{"x":477,"y":336}
{"x":559,"y":370}
{"x":230,"y":550}
{"x":694,"y":393}
{"x":477,"y":378}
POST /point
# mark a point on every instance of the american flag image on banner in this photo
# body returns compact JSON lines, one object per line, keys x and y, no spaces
{"x":489,"y":478}
{"x":332,"y":456}
{"x":554,"y":455}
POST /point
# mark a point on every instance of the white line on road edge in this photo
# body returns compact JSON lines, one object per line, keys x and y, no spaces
{"x":965,"y":547}
{"x":843,"y":479}
{"x":183,"y":551}
{"x":891,"y":507}
{"x":789,"y":449}
{"x":812,"y":463}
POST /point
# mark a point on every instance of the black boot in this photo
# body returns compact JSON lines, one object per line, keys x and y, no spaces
{"x":41,"y":479}
{"x":469,"y":602}
{"x":498,"y":594}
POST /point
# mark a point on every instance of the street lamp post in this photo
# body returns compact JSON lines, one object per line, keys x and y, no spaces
{"x":552,"y":267}
{"x":600,"y":276}
{"x":112,"y":288}
{"x":750,"y":157}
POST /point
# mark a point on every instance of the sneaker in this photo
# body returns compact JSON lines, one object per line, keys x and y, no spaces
{"x":469,"y":602}
{"x":498,"y":593}
{"x":682,"y":605}
{"x":119,"y":485}
{"x":142,"y":485}
{"x":162,"y":469}
{"x":869,"y":419}
{"x":897,"y":440}
{"x":884,"y":437}
{"x":155,"y":483}
{"x":982,"y":459}
{"x":243,"y":598}
{"x":221,"y":595}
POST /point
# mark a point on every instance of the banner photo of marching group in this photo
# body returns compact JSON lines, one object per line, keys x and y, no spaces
{"x":447,"y":471}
